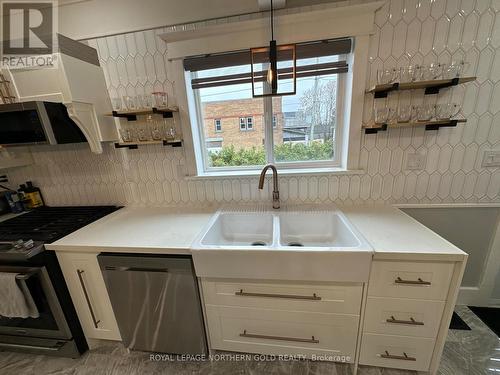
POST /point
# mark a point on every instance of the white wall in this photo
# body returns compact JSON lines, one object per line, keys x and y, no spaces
{"x":94,"y":18}
{"x":407,"y":31}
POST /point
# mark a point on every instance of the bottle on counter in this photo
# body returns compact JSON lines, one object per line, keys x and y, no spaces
{"x":32,"y":196}
{"x":16,"y":206}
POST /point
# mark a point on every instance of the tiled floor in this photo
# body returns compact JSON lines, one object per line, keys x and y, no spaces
{"x":466,"y":353}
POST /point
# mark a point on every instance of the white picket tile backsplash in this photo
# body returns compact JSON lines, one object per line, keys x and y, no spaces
{"x":406,"y":32}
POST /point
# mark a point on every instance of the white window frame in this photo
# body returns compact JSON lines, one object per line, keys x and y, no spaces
{"x":304,"y":165}
{"x":355,"y":21}
{"x":218,"y":125}
{"x":249,"y":121}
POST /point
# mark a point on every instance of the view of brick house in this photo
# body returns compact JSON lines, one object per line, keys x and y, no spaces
{"x":239,"y":123}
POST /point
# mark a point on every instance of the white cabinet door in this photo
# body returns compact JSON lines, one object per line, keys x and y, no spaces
{"x":328,"y":337}
{"x":90,"y":297}
{"x":338,"y":298}
{"x":416,"y":280}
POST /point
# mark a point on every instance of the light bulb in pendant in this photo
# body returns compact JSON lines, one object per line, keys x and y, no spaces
{"x":270,"y":76}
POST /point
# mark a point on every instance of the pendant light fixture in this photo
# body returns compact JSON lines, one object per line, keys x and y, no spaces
{"x":265,"y":83}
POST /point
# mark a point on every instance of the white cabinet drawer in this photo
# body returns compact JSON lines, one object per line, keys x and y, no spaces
{"x":411,"y":353}
{"x":338,"y":298}
{"x":406,"y":317}
{"x":418,"y":280}
{"x":89,"y":295}
{"x":278,"y":332}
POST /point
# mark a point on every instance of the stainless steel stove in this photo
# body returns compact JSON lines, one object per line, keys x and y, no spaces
{"x":56,"y":331}
{"x":19,"y":250}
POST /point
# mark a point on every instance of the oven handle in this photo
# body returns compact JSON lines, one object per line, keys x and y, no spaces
{"x":25,"y":276}
{"x":82,"y":283}
{"x":54,"y":348}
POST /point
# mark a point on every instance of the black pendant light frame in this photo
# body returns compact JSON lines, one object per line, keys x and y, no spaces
{"x":273,"y":62}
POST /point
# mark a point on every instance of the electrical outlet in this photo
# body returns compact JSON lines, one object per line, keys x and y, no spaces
{"x":415,"y":161}
{"x":491,"y":159}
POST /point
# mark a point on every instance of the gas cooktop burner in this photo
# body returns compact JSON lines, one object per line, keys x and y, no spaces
{"x":48,"y":224}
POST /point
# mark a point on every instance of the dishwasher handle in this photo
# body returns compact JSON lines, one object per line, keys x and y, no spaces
{"x":136,"y":269}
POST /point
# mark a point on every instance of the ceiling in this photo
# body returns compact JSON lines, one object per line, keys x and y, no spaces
{"x":84,"y":19}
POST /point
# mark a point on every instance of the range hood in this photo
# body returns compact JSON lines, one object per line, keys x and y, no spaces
{"x":77,"y":82}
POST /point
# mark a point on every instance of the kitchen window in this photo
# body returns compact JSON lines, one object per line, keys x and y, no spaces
{"x":309,"y":135}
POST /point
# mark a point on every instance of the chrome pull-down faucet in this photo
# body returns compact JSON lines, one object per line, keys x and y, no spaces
{"x":276,"y":192}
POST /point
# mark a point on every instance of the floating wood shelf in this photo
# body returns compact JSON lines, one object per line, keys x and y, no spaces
{"x":135,"y":145}
{"x":166,"y":112}
{"x":431,"y":87}
{"x":429,"y":125}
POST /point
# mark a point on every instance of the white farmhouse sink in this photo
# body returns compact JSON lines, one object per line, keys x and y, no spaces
{"x":315,"y":229}
{"x":239,"y":230}
{"x":284,"y":245}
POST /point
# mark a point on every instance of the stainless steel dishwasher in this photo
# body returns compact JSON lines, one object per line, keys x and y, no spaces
{"x":156,"y":302}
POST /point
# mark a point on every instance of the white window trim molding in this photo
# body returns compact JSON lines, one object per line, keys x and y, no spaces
{"x":350,"y":21}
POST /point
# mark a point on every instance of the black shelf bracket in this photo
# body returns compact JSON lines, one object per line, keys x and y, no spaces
{"x":128,"y":116}
{"x":172,"y":143}
{"x":385,"y":92}
{"x":130,"y":147}
{"x":164,"y":113}
{"x":435,"y":89}
{"x":450,"y":124}
{"x":376,"y":130}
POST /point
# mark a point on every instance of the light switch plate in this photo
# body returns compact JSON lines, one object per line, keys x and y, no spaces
{"x":491,"y":159}
{"x":415,"y":161}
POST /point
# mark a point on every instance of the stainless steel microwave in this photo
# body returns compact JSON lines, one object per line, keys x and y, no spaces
{"x":37,"y":122}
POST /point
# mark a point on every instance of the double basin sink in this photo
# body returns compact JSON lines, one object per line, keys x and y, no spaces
{"x":285,"y":245}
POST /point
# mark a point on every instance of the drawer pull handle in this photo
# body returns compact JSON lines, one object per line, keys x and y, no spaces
{"x":85,"y":293}
{"x":403,"y":357}
{"x":312,"y":340}
{"x":411,"y":321}
{"x":419,"y":281}
{"x":314,"y":297}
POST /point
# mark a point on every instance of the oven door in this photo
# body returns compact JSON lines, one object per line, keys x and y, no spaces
{"x":51,"y":323}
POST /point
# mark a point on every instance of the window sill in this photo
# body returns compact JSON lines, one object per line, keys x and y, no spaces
{"x":281,"y":172}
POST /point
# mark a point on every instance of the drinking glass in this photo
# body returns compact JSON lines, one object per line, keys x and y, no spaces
{"x":410,"y":73}
{"x":404,"y":113}
{"x":143,"y":135}
{"x":117,"y":104}
{"x":433,"y":71}
{"x":447,"y":111}
{"x":392,"y":115}
{"x":160,"y":99}
{"x":456,"y":69}
{"x":415,"y":110}
{"x":426,"y":112}
{"x":130,"y":102}
{"x":154,"y":128}
{"x":147,"y":101}
{"x":381,"y":115}
{"x":385,"y":76}
{"x":125,"y":135}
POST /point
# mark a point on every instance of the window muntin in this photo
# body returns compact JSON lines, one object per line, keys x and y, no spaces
{"x":249,"y":123}
{"x":243,"y":124}
{"x":296,"y":137}
{"x":218,"y":125}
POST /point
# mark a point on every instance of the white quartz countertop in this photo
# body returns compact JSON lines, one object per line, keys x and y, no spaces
{"x":391,"y":233}
{"x":142,"y":230}
{"x":396,"y":235}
